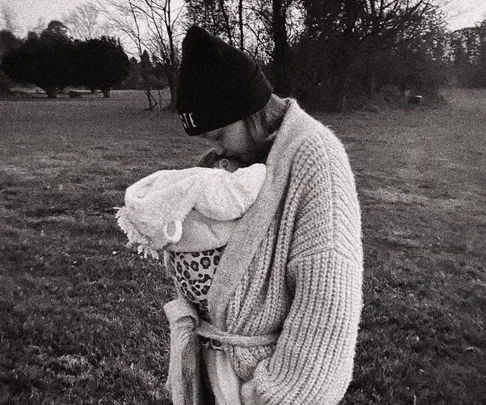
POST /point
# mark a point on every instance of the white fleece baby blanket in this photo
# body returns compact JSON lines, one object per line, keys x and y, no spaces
{"x":188,"y":210}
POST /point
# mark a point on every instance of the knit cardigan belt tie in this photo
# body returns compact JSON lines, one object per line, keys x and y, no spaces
{"x":183,"y":379}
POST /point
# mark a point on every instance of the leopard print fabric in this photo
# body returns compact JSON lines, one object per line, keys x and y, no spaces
{"x":193,"y":273}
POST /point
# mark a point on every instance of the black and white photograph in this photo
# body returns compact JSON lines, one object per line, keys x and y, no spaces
{"x":243,"y":202}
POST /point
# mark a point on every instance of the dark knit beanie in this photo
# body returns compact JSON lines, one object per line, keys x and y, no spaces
{"x":218,"y":84}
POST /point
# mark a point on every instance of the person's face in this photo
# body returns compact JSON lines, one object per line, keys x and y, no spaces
{"x":232,"y":140}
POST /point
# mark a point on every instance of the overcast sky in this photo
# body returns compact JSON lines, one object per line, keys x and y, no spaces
{"x":461,"y":13}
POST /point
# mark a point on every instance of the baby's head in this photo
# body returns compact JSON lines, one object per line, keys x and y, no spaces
{"x":228,"y":163}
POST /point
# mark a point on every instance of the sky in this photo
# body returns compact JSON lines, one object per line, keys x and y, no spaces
{"x":28,"y":12}
{"x":465,"y":13}
{"x":461,"y":13}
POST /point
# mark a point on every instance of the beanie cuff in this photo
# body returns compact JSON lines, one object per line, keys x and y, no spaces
{"x":226,"y":112}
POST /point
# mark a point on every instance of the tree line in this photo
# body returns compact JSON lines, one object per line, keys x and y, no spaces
{"x":468,"y":52}
{"x":328,"y":54}
{"x":53,"y":61}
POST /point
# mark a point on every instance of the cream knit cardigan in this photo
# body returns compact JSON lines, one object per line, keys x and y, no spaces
{"x":294,"y":266}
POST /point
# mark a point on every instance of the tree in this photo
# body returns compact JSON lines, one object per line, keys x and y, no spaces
{"x":52,"y":61}
{"x":152,"y":25}
{"x":281,"y":54}
{"x":44,"y":60}
{"x":163,"y":20}
{"x":55,"y":31}
{"x":265,"y":29}
{"x":147,"y":69}
{"x":482,"y":54}
{"x":86,"y":22}
{"x":336,"y":31}
{"x":126,"y":19}
{"x":414,"y":62}
{"x":218,"y":17}
{"x":8,"y":41}
{"x":156,"y":78}
{"x":101,"y":63}
{"x":469,"y":55}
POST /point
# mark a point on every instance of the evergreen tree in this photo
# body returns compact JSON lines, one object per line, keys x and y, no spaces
{"x":102,"y":63}
{"x":53,"y":61}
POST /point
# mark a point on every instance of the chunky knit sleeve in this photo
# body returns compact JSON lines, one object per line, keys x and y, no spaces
{"x":313,"y":358}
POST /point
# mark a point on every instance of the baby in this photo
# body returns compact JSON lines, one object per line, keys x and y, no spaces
{"x":228,"y":163}
{"x":191,"y":209}
{"x":190,"y":214}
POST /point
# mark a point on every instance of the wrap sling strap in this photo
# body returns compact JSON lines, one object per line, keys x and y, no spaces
{"x":210,"y":331}
{"x":183,"y":379}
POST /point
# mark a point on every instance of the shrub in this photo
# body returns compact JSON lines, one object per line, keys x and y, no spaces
{"x":54,"y":62}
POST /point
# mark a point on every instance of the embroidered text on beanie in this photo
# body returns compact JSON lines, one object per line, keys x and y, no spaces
{"x":218,"y":84}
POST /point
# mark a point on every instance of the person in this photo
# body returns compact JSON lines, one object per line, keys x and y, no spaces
{"x":285,"y":298}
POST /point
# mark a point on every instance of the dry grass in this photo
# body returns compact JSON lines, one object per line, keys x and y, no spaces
{"x":81,"y":317}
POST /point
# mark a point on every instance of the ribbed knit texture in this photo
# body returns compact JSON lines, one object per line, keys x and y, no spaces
{"x":294,"y":266}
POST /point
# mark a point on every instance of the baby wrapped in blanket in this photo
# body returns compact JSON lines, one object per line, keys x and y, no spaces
{"x":190,"y":214}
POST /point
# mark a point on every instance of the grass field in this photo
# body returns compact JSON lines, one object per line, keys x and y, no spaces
{"x":81,"y":318}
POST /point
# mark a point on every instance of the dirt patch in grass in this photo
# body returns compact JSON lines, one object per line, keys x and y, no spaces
{"x":81,"y":316}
